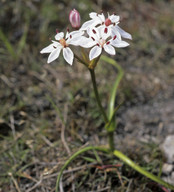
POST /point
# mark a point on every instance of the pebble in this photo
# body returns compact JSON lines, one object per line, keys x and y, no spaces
{"x":168,"y":148}
{"x":168,"y":180}
{"x":172,"y":175}
{"x":167,"y":168}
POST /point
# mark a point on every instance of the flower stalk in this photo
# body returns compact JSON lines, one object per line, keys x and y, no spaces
{"x":111,"y":140}
{"x":110,"y":133}
{"x":92,"y":73}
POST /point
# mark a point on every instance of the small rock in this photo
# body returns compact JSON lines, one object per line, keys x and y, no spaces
{"x":168,"y":180}
{"x":172,"y":175}
{"x":168,"y":148}
{"x":167,"y":168}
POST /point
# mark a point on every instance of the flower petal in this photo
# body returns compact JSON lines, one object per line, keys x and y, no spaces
{"x":97,"y":18}
{"x":48,"y":49}
{"x":59,"y":36}
{"x":96,"y":21}
{"x":74,"y":37}
{"x":68,"y":55}
{"x":92,"y":15}
{"x":119,"y":43}
{"x":86,"y":42}
{"x":67,"y":35}
{"x":74,"y":34}
{"x":94,"y":32}
{"x":86,"y":25}
{"x":54,"y":55}
{"x":73,"y":41}
{"x":104,"y":31}
{"x":95,"y":52}
{"x":114,"y":18}
{"x":102,"y":17}
{"x":123,"y":33}
{"x":115,"y":33}
{"x":109,"y":49}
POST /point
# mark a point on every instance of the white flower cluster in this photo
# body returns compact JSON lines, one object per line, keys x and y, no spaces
{"x":98,"y":33}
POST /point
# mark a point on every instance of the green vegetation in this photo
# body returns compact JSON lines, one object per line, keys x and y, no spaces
{"x":47,"y":112}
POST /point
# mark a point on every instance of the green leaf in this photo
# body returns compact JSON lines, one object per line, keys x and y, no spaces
{"x":111,"y":107}
{"x":89,"y":159}
{"x":8,"y":45}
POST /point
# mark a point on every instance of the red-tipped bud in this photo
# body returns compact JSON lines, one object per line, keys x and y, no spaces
{"x":74,"y":18}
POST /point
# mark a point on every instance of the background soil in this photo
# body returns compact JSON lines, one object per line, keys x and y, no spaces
{"x":35,"y":97}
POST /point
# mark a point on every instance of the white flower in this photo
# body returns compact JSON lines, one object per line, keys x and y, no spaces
{"x":63,"y":44}
{"x":100,"y":38}
{"x":111,"y":21}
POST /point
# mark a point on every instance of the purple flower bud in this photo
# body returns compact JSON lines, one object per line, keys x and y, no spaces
{"x":74,"y":18}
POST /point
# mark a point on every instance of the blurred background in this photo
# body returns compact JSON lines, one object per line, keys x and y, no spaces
{"x":48,"y":111}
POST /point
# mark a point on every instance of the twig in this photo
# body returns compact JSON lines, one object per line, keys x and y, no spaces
{"x":100,"y":190}
{"x":36,"y":185}
{"x":61,"y":186}
{"x":119,"y":176}
{"x":12,"y":126}
{"x":66,"y":146}
{"x":63,"y":131}
{"x":128,"y":187}
{"x":6,"y":81}
{"x":47,"y":141}
{"x":15,"y":182}
{"x":69,"y":171}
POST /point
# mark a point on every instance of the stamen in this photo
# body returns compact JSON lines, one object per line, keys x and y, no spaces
{"x":106,"y":30}
{"x":70,"y":36}
{"x":93,"y":38}
{"x":94,"y":31}
{"x":114,"y":37}
{"x":108,"y":43}
{"x":98,"y":44}
{"x":54,"y":47}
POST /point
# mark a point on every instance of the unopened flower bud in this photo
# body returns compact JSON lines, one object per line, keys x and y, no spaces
{"x":74,"y":18}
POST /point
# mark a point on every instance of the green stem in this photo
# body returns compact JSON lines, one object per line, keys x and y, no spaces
{"x":92,"y":72}
{"x":111,"y":140}
{"x":73,"y":157}
{"x":111,"y":132}
{"x":141,"y":170}
{"x":81,"y":60}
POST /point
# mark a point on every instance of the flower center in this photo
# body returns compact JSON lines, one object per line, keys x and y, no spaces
{"x":102,"y":42}
{"x":107,"y":22}
{"x":63,"y":42}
